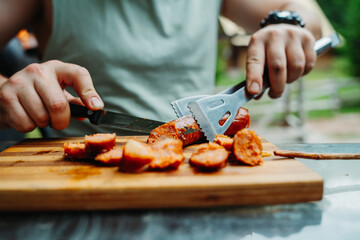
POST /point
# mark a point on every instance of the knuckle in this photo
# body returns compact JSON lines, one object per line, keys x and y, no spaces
{"x":308,"y":38}
{"x":81,"y":71}
{"x":276,"y":33}
{"x":253,"y":59}
{"x":43,"y":120}
{"x":297,"y":66}
{"x":292,"y":34}
{"x":54,"y":62}
{"x":277,"y":65}
{"x":6,"y":96}
{"x":36,"y":69}
{"x":255,"y":38}
{"x":57,"y":105}
{"x":16,"y":81}
{"x":87,"y":92}
{"x":309,"y":66}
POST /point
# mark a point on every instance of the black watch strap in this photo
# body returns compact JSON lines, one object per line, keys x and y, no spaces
{"x":276,"y":17}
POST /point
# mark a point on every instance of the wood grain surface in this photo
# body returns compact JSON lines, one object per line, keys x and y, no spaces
{"x":34,"y":175}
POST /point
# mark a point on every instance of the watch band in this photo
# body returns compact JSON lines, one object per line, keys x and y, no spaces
{"x":276,"y":17}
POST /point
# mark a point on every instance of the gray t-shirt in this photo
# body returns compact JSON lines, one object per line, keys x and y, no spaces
{"x":141,"y":54}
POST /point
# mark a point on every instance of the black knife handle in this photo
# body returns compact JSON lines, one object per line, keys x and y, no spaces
{"x":83,"y":112}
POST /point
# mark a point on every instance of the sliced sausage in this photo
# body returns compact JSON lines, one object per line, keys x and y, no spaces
{"x":75,"y":151}
{"x":225,"y":141}
{"x":136,"y":157}
{"x":112,"y":157}
{"x":247,"y":147}
{"x":100,"y":142}
{"x":209,"y":157}
{"x":168,"y":154}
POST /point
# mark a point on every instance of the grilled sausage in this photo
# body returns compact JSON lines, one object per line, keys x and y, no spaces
{"x":136,"y":157}
{"x":225,"y":141}
{"x":111,"y":158}
{"x":75,"y":151}
{"x":209,"y":157}
{"x":247,"y":147}
{"x":168,"y":154}
{"x":179,"y":128}
{"x":100,"y":142}
{"x":241,"y":121}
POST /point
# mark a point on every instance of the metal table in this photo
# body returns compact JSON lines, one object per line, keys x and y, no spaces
{"x":337,"y":216}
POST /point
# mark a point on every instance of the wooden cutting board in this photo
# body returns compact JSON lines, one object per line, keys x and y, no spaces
{"x":34,"y":175}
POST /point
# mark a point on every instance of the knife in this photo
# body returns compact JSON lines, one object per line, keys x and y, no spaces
{"x":115,"y":120}
{"x":208,"y":110}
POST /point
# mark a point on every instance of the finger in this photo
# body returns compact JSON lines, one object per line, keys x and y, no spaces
{"x":54,"y":100}
{"x":276,"y":64}
{"x":310,"y":54}
{"x":72,"y":99}
{"x":80,"y":79}
{"x":14,"y":114}
{"x":295,"y":61}
{"x":34,"y":107}
{"x":255,"y":63}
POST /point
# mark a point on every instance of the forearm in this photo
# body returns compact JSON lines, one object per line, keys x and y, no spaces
{"x":248,"y":13}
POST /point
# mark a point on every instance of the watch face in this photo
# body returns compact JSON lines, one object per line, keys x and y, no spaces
{"x":275,"y":17}
{"x":283,"y":14}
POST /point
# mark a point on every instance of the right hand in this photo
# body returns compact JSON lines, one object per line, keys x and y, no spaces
{"x":36,"y":96}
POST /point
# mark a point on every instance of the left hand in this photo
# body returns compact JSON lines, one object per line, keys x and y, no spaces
{"x":286,"y":50}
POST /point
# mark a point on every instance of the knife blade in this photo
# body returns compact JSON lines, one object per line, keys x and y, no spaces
{"x":115,"y":120}
{"x":209,"y":110}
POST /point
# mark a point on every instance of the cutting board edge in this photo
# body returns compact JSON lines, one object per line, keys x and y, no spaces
{"x":94,"y":200}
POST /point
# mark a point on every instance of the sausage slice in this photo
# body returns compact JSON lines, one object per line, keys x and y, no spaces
{"x":112,"y":157}
{"x":247,"y":147}
{"x":75,"y":150}
{"x":209,"y":157}
{"x":137,"y":156}
{"x":100,"y":142}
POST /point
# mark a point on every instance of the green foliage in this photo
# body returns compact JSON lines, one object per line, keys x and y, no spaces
{"x":335,"y":10}
{"x":352,"y":36}
{"x":344,"y":16}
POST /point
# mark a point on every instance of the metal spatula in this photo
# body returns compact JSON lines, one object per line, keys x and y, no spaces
{"x":181,"y":106}
{"x":208,"y":111}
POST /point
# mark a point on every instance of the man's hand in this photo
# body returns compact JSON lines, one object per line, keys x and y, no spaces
{"x":36,"y":96}
{"x":286,"y":50}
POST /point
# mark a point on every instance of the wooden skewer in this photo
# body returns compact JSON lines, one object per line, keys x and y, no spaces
{"x":293,"y":154}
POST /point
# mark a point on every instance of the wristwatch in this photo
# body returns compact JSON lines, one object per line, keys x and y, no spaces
{"x":276,"y":17}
